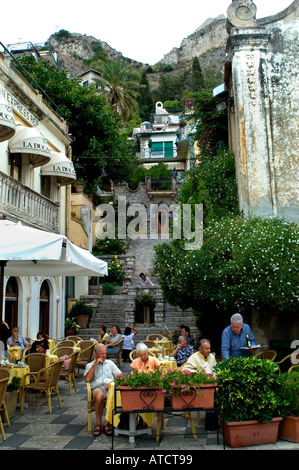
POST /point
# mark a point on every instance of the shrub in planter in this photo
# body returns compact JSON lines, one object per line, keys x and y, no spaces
{"x":289,"y":427}
{"x":249,"y":391}
{"x":11,"y":396}
{"x":71,"y":327}
{"x":82,"y":312}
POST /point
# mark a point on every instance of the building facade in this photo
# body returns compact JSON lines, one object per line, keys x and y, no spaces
{"x":36,"y":172}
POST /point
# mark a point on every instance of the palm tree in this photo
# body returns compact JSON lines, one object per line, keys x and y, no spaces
{"x":120,"y":86}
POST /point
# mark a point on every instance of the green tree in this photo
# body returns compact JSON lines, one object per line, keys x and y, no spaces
{"x":98,"y":144}
{"x":120,"y":86}
{"x":145,"y":101}
{"x":197,"y":75}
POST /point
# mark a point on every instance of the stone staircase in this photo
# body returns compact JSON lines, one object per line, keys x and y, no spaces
{"x":110,"y":310}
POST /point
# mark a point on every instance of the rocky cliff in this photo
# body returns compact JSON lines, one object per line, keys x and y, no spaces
{"x":208,"y":42}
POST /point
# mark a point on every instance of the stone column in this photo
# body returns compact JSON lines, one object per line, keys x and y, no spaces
{"x":254,"y":159}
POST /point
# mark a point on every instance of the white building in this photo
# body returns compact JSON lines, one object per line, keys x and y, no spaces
{"x":35,"y":176}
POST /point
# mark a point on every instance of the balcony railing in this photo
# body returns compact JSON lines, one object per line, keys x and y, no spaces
{"x":22,"y":202}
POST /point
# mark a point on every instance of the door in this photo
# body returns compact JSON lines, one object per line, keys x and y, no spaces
{"x":11,"y":302}
{"x":44,"y":308}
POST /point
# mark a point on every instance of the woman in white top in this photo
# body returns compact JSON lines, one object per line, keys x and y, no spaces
{"x":128,"y":344}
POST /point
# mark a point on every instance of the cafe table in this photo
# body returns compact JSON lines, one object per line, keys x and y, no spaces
{"x":19,"y":371}
{"x":14,"y":353}
{"x":166,"y":345}
{"x":114,"y":419}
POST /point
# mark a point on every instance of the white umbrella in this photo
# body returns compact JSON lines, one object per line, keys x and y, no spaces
{"x":26,"y":251}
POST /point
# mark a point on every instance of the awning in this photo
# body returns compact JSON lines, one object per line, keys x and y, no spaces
{"x":61,"y":167}
{"x":27,"y":140}
{"x":7,"y":122}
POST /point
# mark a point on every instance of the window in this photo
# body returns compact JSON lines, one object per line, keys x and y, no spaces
{"x":162,"y":149}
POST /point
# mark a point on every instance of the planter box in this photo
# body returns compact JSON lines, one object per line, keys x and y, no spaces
{"x":289,"y":429}
{"x":250,"y":433}
{"x":141,"y":398}
{"x":202,"y":397}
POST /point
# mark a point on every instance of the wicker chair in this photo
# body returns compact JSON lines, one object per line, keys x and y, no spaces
{"x":282,"y":361}
{"x":154,"y":336}
{"x":149,"y":343}
{"x":267,"y":354}
{"x":69,"y":374}
{"x":67,"y":342}
{"x":74,"y":338}
{"x":3,"y":386}
{"x":50,"y":385}
{"x":86,"y":353}
{"x":63,"y":351}
{"x":117,"y":355}
{"x":4,"y":373}
{"x":36,"y":362}
{"x":293,"y":368}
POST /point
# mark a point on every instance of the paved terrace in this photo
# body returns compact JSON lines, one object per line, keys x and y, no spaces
{"x":66,"y":429}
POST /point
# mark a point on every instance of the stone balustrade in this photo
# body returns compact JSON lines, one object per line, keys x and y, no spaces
{"x":28,"y":205}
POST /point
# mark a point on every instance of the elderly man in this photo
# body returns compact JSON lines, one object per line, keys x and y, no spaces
{"x":99,"y":373}
{"x":234,"y":337}
{"x":17,"y":340}
{"x":144,"y":363}
{"x":183,"y":351}
{"x":203,"y":360}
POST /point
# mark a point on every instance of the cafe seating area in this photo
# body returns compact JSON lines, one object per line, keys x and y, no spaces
{"x":58,"y":376}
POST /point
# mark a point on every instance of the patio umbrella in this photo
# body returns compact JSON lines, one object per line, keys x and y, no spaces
{"x":26,"y":251}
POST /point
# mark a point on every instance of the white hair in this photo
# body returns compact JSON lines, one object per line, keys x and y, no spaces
{"x":236,"y":318}
{"x":141,"y":347}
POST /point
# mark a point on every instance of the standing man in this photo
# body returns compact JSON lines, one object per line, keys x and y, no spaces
{"x":234,"y":337}
{"x":99,"y":373}
{"x":203,"y":360}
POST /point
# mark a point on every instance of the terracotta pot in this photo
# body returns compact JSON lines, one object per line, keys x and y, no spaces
{"x":202,"y":397}
{"x":11,"y":404}
{"x":141,"y":398}
{"x":250,"y":433}
{"x":82,"y":320}
{"x":69,"y":332}
{"x":79,"y":188}
{"x":289,"y":429}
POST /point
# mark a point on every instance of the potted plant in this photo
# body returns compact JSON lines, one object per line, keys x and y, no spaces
{"x":289,"y":426}
{"x":141,"y":390}
{"x":79,"y":184}
{"x":249,"y":400}
{"x":11,"y":396}
{"x":189,"y":389}
{"x":71,"y":327}
{"x":81,"y":312}
{"x":145,"y":301}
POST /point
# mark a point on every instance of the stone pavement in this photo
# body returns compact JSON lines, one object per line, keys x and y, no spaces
{"x":66,"y":429}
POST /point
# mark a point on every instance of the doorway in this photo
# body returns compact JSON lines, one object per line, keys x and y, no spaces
{"x":44,"y":308}
{"x":11,"y":302}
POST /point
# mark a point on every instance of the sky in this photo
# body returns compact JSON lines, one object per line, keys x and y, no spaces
{"x":142,"y":31}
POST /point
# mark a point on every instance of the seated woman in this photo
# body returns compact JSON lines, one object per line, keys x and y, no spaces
{"x":40,"y":345}
{"x":103,"y":338}
{"x":114,"y":337}
{"x":144,"y":363}
{"x":183,"y":351}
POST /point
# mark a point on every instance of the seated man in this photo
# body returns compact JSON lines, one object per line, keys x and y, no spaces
{"x":17,"y":340}
{"x":182,"y":351}
{"x":203,"y":360}
{"x":99,"y":373}
{"x":185,"y":331}
{"x":144,"y":362}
